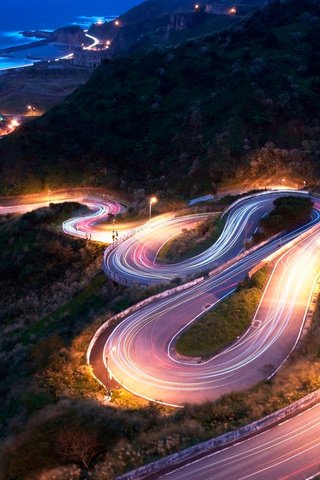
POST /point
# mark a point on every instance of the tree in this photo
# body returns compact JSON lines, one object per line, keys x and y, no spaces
{"x":78,"y":445}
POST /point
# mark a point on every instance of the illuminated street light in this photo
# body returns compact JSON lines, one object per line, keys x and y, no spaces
{"x":197,"y":6}
{"x":117,"y":23}
{"x":232,"y":11}
{"x":152,"y":201}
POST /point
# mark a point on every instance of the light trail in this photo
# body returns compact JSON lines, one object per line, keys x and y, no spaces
{"x":95,"y":42}
{"x":140,"y":349}
{"x":141,"y":360}
{"x":142,"y":356}
{"x":84,"y":226}
{"x":134,"y":260}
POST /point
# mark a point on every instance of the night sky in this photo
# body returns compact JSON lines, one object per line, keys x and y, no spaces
{"x":29,"y":13}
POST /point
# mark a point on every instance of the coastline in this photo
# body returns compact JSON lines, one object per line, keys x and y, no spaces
{"x":16,"y":48}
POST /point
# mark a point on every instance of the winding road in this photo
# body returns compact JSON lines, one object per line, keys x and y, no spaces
{"x":83,"y":226}
{"x":135,"y":260}
{"x":139,"y":352}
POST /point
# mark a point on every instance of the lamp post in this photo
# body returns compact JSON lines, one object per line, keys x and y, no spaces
{"x":152,"y":201}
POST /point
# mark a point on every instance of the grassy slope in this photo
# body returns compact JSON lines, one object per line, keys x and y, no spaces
{"x":221,"y":326}
{"x":184,"y":118}
{"x":191,"y":242}
{"x":288,"y":213}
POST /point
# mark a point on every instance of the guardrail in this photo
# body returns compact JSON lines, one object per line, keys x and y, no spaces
{"x":114,"y":276}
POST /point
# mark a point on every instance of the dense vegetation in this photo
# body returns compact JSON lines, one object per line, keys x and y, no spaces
{"x":288,"y":213}
{"x":192,"y":241}
{"x":221,"y":326}
{"x":243,"y":102}
{"x":149,"y":23}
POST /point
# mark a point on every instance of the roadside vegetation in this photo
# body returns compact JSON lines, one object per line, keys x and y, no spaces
{"x":192,"y":241}
{"x":288,"y":213}
{"x":221,"y":326}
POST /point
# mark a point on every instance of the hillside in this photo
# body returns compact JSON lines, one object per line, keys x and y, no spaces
{"x":155,"y":22}
{"x":239,"y":103}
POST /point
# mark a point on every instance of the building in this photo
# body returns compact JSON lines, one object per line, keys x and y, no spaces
{"x":180,"y":21}
{"x":90,"y":58}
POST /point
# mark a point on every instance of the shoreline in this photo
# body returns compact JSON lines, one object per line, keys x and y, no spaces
{"x":26,"y":46}
{"x":33,"y":60}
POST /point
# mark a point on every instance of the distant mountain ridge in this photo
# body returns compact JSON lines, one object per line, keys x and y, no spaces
{"x":149,"y":22}
{"x":240,"y":103}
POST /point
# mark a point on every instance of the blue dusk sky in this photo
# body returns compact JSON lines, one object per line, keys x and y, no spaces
{"x":28,"y":14}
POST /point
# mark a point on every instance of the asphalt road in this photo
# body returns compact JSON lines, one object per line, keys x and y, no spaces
{"x":288,"y":451}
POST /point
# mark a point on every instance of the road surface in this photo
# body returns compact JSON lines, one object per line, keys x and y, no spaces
{"x":288,"y":451}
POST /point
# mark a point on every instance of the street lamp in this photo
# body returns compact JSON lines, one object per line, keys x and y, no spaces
{"x":152,"y":201}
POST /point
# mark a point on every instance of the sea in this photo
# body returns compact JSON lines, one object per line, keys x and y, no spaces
{"x":19,"y":15}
